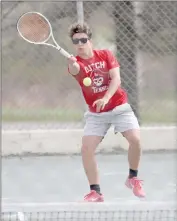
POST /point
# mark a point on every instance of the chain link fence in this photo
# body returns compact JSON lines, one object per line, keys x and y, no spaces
{"x":37,"y":90}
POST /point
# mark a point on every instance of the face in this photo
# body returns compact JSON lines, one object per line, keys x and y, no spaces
{"x":82,"y":44}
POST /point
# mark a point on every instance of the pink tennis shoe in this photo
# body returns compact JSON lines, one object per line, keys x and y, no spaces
{"x":93,"y":196}
{"x":136,"y":186}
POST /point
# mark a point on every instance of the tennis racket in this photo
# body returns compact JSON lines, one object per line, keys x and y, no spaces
{"x":35,"y":28}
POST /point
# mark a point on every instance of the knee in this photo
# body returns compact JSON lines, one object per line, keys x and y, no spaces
{"x":135,"y":142}
{"x":89,"y":145}
{"x":87,"y":149}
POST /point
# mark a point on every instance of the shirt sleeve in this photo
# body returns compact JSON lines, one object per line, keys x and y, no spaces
{"x":111,"y":60}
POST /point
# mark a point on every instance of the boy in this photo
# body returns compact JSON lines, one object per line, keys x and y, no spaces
{"x":108,"y":105}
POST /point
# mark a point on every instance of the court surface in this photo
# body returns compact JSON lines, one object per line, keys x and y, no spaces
{"x":61,"y":178}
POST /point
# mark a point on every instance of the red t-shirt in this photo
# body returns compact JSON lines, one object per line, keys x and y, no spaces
{"x":97,"y":68}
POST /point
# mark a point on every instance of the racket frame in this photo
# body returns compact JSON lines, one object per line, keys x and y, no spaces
{"x":57,"y":46}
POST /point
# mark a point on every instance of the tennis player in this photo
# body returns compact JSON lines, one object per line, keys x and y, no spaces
{"x":107,"y":105}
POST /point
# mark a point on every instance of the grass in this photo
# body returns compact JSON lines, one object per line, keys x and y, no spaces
{"x":155,"y":117}
{"x":159,"y":112}
{"x":156,"y":114}
{"x":41,"y":115}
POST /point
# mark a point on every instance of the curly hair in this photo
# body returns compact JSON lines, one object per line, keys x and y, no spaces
{"x":80,"y":28}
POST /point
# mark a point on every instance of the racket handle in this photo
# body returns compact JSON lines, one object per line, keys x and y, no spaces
{"x":65,"y":53}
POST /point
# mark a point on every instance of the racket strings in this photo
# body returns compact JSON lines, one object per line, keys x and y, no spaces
{"x":34,"y":27}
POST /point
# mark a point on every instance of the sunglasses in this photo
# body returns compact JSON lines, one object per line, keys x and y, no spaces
{"x":77,"y":40}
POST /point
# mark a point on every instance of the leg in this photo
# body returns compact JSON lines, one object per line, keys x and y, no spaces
{"x":94,"y":131}
{"x":89,"y":145}
{"x":126,"y":122}
{"x":134,"y":152}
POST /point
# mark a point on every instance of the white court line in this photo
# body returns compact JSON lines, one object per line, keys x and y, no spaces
{"x":76,"y":203}
{"x":131,"y":204}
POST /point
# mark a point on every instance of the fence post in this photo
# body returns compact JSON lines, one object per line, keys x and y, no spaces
{"x":80,"y":19}
{"x":124,"y":19}
{"x":80,"y":11}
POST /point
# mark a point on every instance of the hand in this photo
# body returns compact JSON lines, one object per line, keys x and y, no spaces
{"x":72,"y":60}
{"x":100,"y":104}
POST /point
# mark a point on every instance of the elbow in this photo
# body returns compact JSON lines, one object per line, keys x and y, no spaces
{"x":116,"y":81}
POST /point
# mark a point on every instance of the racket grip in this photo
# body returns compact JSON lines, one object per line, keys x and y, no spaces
{"x":65,"y":53}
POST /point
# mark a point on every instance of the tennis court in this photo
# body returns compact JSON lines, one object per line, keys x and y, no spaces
{"x":44,"y":186}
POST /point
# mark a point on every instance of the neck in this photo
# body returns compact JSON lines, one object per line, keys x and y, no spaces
{"x":87,"y":55}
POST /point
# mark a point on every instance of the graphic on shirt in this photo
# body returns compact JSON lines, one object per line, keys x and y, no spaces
{"x":98,"y":81}
{"x":93,"y":66}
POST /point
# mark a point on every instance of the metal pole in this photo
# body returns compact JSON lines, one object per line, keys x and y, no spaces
{"x":80,"y":19}
{"x":80,"y":12}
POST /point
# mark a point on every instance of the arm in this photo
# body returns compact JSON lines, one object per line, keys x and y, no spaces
{"x":73,"y":66}
{"x":114,"y":84}
{"x":114,"y":72}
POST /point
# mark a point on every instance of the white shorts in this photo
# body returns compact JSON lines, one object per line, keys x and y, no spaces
{"x":122,"y":118}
